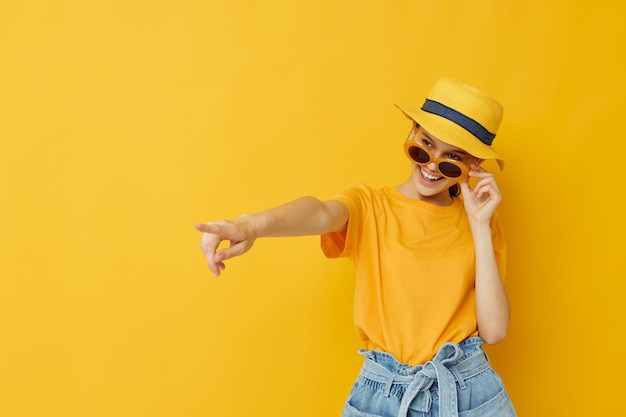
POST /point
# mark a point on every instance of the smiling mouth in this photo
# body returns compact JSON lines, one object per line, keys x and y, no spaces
{"x":428,"y":177}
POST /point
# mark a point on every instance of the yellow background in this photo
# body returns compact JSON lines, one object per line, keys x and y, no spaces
{"x":122,"y":123}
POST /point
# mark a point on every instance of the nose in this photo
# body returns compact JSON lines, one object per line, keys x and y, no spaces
{"x":432,"y":166}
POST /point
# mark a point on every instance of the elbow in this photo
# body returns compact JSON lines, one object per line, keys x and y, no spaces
{"x":494,"y":336}
{"x":493,"y":323}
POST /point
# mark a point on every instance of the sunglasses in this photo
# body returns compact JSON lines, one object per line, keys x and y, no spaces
{"x":449,"y":168}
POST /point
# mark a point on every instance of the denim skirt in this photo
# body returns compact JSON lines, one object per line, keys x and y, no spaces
{"x":457,"y":381}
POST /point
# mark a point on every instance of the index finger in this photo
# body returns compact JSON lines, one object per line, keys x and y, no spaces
{"x":224,"y":229}
{"x":477,"y":171}
{"x":207,"y":227}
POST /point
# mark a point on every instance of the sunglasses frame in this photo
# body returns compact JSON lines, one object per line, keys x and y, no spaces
{"x":412,"y":143}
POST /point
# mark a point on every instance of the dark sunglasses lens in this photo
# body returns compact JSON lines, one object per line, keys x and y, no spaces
{"x":418,"y":155}
{"x":450,"y":170}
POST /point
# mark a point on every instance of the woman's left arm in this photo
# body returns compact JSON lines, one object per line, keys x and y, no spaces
{"x":492,"y":304}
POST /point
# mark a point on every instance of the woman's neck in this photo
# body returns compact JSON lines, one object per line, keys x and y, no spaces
{"x":409,"y":190}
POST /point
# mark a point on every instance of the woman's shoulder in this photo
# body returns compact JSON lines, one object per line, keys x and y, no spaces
{"x":364,"y":191}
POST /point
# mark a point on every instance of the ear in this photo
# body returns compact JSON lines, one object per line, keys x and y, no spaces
{"x":479,"y":161}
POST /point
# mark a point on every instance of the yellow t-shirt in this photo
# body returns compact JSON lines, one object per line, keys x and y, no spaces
{"x":415,"y":270}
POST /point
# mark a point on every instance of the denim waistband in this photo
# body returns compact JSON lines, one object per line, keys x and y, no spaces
{"x":453,"y":363}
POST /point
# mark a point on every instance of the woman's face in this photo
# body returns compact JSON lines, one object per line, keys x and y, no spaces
{"x":428,"y":180}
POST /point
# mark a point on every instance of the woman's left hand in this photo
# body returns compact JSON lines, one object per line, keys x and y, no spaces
{"x":482,"y":200}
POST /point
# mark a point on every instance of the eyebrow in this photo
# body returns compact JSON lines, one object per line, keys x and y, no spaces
{"x":455,"y":150}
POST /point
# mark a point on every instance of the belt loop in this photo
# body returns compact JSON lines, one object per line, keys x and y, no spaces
{"x":388,"y":384}
{"x":458,"y":377}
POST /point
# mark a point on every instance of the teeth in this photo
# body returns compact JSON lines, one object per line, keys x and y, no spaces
{"x":429,"y":177}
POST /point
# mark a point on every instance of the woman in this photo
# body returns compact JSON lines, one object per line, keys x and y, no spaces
{"x":429,"y":263}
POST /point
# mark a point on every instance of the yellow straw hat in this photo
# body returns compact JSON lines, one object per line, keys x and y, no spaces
{"x":460,"y":115}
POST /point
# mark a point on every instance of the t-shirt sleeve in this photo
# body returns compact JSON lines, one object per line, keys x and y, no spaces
{"x":343,"y":244}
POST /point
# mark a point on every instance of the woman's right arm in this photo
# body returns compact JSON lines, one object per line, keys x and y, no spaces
{"x":301,"y":217}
